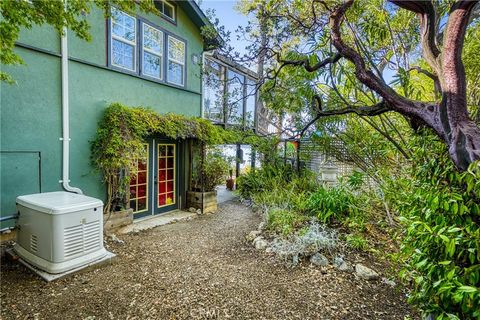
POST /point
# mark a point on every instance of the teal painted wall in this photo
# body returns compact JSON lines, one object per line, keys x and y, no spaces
{"x":31,"y":108}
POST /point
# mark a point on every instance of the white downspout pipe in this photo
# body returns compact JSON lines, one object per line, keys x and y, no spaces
{"x":65,"y":118}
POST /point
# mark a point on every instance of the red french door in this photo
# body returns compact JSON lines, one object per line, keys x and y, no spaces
{"x":165,"y":177}
{"x":154,"y":187}
{"x":139,"y":185}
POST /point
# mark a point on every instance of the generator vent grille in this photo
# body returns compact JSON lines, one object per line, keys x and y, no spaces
{"x":81,"y":239}
{"x":33,"y":243}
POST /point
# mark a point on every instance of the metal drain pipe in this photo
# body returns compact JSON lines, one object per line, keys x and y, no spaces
{"x":65,"y":117}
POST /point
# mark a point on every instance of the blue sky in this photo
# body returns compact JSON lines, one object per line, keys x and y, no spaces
{"x":229,"y":18}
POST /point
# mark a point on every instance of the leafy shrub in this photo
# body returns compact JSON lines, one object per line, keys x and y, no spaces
{"x":331,"y":203}
{"x":313,"y":237}
{"x":440,"y":209}
{"x":356,"y":241}
{"x":262,"y":179}
{"x":281,"y":193}
{"x":215,"y":169}
{"x":284,"y":221}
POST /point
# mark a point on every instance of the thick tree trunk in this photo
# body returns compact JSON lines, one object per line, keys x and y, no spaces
{"x":464,"y":145}
{"x":449,"y":119}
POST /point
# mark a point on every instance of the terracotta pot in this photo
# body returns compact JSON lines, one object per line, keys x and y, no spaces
{"x":230,"y":183}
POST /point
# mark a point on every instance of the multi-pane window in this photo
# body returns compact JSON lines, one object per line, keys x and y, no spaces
{"x":236,"y":82}
{"x":152,"y":52}
{"x":141,"y":44}
{"x":176,"y":61}
{"x":250,"y":103}
{"x":166,"y":175}
{"x":124,"y":39}
{"x":166,"y":8}
{"x":213,"y":95}
{"x":139,"y":185}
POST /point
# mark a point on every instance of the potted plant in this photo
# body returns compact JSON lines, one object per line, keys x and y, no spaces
{"x":230,"y":180}
{"x":207,"y":174}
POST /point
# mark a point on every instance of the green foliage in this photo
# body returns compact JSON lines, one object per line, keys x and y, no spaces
{"x":284,"y":221}
{"x":291,"y":199}
{"x":121,"y":137}
{"x":440,"y":209}
{"x":329,"y":204}
{"x":281,"y":192}
{"x":262,"y":179}
{"x":213,"y":171}
{"x":356,"y":241}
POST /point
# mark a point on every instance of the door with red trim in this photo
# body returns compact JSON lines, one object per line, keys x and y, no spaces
{"x":166,"y":172}
{"x":140,"y":186}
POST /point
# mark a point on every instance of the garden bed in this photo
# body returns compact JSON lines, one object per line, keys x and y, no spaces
{"x":188,"y":269}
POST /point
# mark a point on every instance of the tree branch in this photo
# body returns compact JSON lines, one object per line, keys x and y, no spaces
{"x":425,"y":72}
{"x":306,"y":63}
{"x":423,"y":112}
{"x":428,"y":32}
{"x":434,"y":77}
{"x":369,"y":111}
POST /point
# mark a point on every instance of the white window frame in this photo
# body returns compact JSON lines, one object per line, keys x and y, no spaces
{"x":182,"y":63}
{"x":121,"y":39}
{"x":161,"y":55}
{"x":166,"y":3}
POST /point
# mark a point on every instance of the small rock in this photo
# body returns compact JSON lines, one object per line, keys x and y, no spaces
{"x":252,"y":235}
{"x":319,"y":259}
{"x":269,"y":250}
{"x":260,"y":243}
{"x":262,"y":226}
{"x":7,"y":231}
{"x":365,"y":273}
{"x":345,"y":267}
{"x":341,"y":264}
{"x":192,"y":209}
{"x":389,"y":282}
{"x":199,"y":211}
{"x":115,"y":239}
{"x":337,"y":261}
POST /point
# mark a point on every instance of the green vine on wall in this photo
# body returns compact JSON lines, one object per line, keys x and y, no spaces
{"x":121,"y":135}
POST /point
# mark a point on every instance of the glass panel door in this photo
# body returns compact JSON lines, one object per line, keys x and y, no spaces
{"x":139,"y":185}
{"x":166,"y":176}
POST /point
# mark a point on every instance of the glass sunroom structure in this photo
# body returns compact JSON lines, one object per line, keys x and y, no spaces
{"x":229,"y":93}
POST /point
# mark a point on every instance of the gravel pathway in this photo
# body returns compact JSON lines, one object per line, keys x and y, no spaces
{"x":199,"y":269}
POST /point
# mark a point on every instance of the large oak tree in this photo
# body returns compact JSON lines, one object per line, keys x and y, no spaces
{"x":349,"y":36}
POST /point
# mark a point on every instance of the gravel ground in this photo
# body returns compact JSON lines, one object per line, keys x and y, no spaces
{"x":199,"y":269}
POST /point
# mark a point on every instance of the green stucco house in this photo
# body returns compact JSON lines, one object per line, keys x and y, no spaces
{"x":137,"y":60}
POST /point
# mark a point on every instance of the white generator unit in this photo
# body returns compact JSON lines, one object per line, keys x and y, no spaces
{"x":59,"y":231}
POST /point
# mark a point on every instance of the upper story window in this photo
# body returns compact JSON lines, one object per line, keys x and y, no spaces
{"x":124,"y":40}
{"x":176,"y":61}
{"x":251,"y":88}
{"x":166,"y":8}
{"x":213,"y":91}
{"x":139,"y":47}
{"x":236,"y":95}
{"x":152,"y":51}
